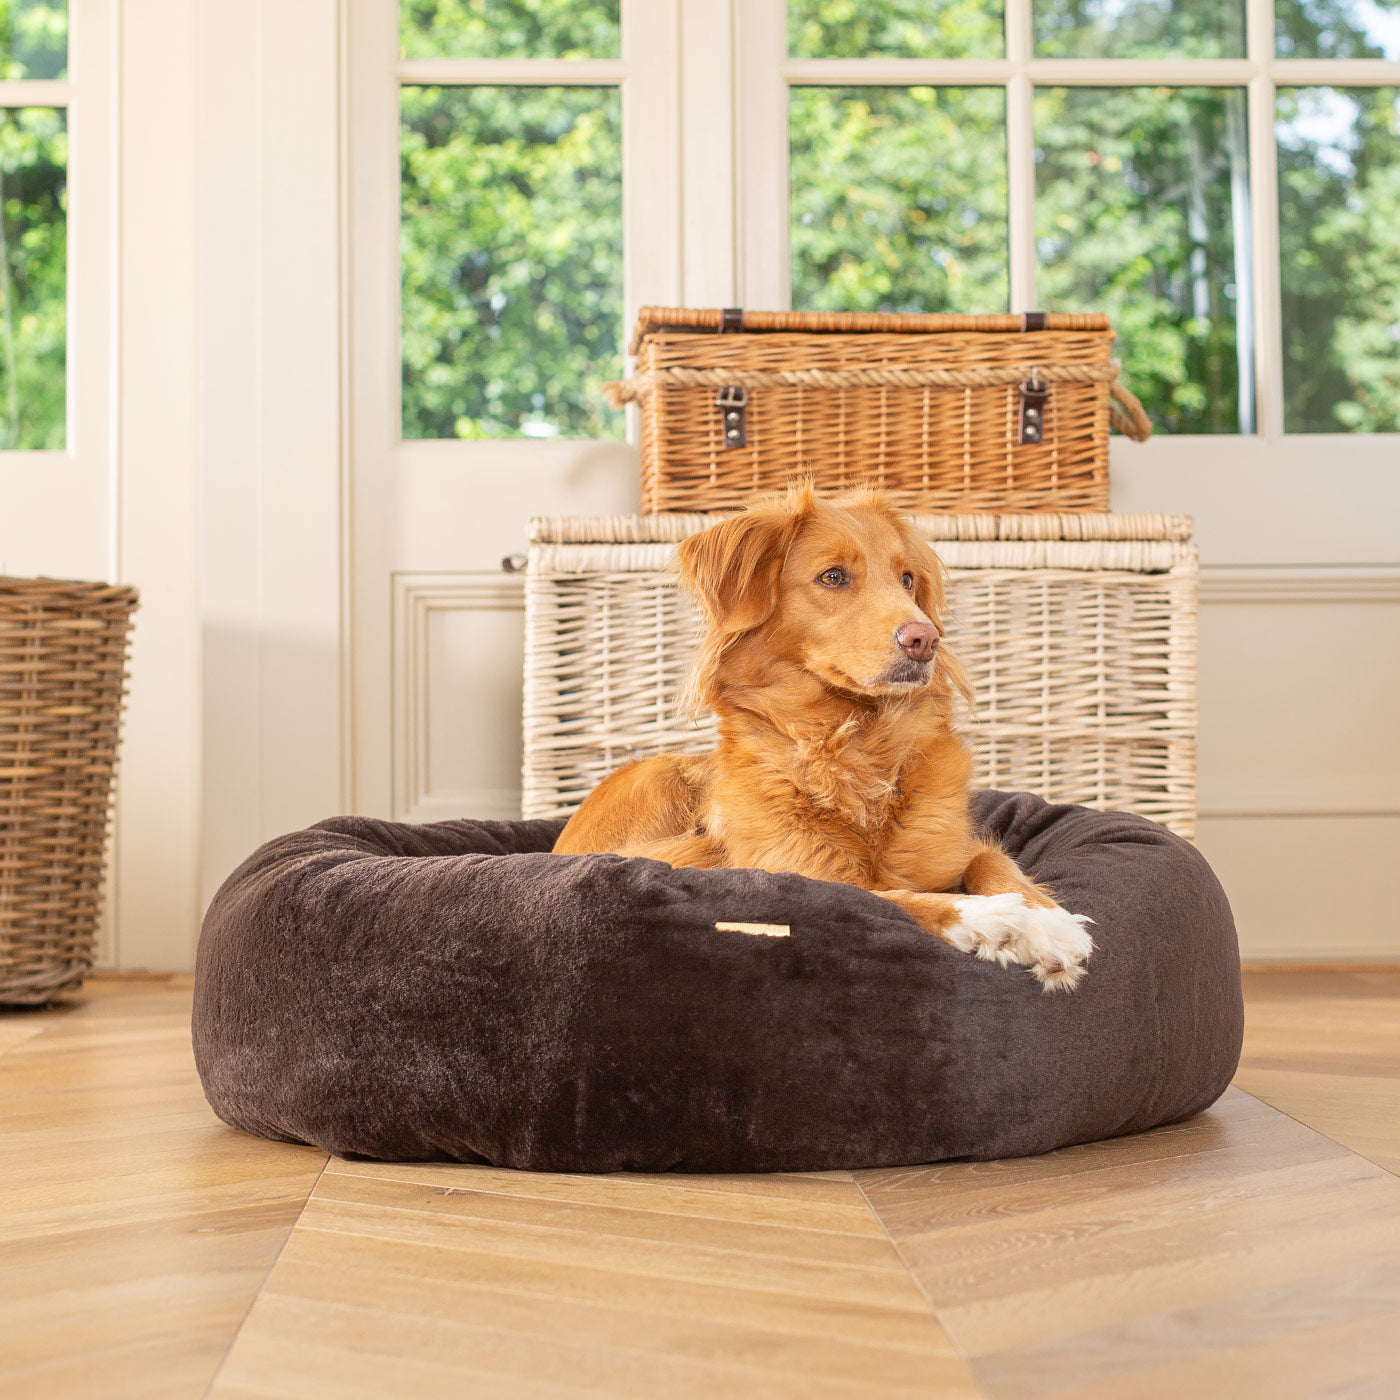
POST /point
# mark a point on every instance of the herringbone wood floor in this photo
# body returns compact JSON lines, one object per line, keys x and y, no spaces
{"x":147,"y":1250}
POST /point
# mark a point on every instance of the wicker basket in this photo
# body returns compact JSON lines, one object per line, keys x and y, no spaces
{"x":1078,"y":632}
{"x":62,"y":667}
{"x":947,"y":413}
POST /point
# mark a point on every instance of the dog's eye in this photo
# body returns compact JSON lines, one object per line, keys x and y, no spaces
{"x":833,"y":578}
{"x":907,"y":579}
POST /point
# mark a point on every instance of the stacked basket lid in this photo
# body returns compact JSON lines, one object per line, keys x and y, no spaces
{"x":960,"y":413}
{"x":1078,"y":627}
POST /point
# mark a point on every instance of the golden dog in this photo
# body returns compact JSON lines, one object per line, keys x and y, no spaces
{"x":838,"y":753}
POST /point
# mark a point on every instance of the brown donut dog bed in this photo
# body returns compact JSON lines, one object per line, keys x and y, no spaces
{"x":455,"y":992}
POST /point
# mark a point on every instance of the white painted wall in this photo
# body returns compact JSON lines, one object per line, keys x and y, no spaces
{"x":314,"y":622}
{"x":274,"y":450}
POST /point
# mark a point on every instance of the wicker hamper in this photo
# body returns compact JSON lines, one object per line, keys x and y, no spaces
{"x":62,"y":667}
{"x":948,"y":413}
{"x":1078,"y":631}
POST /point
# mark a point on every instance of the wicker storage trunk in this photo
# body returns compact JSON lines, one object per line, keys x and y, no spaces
{"x":1078,"y":632}
{"x":62,"y":668}
{"x":948,"y":413}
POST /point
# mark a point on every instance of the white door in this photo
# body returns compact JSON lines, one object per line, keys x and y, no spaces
{"x":1216,"y":176}
{"x":512,"y":185}
{"x":98,"y":390}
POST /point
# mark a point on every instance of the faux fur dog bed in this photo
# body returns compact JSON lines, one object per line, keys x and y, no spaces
{"x":456,"y":992}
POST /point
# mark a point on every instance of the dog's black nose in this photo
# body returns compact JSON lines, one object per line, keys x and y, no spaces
{"x":917,"y":640}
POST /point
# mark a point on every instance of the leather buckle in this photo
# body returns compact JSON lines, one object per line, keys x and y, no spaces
{"x":732,"y":402}
{"x":1034,"y":393}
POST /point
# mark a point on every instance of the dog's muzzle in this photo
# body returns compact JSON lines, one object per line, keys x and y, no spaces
{"x":906,"y":671}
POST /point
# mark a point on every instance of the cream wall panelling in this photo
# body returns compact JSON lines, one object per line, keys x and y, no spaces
{"x":1299,"y":756}
{"x":458,"y":653}
{"x":1299,"y":672}
{"x":1308,"y":889}
{"x":274,"y":466}
{"x":157,"y":481}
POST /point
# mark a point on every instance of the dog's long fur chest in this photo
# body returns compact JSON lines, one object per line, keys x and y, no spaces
{"x":850,"y":770}
{"x":842,"y":784}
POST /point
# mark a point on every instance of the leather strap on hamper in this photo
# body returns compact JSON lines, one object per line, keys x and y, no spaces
{"x":732,"y":402}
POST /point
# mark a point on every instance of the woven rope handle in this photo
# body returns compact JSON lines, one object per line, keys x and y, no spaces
{"x":1127,"y":413}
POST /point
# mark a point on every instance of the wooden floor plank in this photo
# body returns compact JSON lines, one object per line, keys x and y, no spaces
{"x":596,"y":1347}
{"x":1239,"y":1254}
{"x":137,"y":1228}
{"x":643,"y":1229}
{"x":464,"y":1270}
{"x":623,"y":1286}
{"x":1148,"y":1269}
{"x":823,"y":1202}
{"x":17,"y":1026}
{"x":1324,"y":1047}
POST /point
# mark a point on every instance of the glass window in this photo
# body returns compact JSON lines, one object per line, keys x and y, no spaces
{"x":509,"y":29}
{"x":899,"y":199}
{"x":1141,"y":211}
{"x":1139,"y":28}
{"x":33,"y":277}
{"x":1339,"y":257}
{"x":511,"y":240}
{"x":896,"y":28}
{"x":1337,"y":29}
{"x":33,"y":39}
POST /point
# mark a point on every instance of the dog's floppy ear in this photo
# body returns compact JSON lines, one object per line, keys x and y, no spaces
{"x":733,"y":567}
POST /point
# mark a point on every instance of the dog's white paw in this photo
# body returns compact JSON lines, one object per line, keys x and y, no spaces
{"x":1053,"y":943}
{"x":988,"y":925}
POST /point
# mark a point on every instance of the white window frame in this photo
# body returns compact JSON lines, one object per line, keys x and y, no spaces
{"x":644,"y":75}
{"x":766,"y":74}
{"x":87,"y":96}
{"x":705,"y":223}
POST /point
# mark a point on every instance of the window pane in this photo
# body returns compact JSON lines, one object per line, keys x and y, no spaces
{"x":509,"y":29}
{"x":1142,"y":211}
{"x":512,"y":261}
{"x":33,"y":277}
{"x":33,"y":38}
{"x":1139,"y":28}
{"x":899,"y":199}
{"x":1337,"y":28}
{"x":896,"y":28}
{"x":1339,"y":254}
